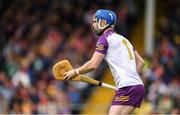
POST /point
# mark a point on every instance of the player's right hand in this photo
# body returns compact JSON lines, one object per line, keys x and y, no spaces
{"x":70,"y":74}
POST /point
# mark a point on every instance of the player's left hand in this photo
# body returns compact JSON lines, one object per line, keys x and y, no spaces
{"x":70,"y":74}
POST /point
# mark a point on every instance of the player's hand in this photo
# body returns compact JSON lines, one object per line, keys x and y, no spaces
{"x":70,"y":74}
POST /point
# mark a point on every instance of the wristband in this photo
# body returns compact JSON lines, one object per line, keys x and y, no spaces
{"x":77,"y":71}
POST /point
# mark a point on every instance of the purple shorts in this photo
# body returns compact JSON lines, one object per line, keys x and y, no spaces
{"x":130,"y":95}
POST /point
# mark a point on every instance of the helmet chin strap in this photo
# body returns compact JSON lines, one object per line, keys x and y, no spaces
{"x":99,"y":25}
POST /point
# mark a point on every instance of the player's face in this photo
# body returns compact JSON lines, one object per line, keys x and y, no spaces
{"x":94,"y":24}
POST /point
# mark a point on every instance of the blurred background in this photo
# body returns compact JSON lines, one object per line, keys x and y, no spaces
{"x":35,"y":34}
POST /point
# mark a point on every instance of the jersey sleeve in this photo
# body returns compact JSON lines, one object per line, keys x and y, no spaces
{"x":102,"y":45}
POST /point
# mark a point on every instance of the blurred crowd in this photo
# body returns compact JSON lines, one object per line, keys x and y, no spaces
{"x":35,"y":34}
{"x":162,"y":77}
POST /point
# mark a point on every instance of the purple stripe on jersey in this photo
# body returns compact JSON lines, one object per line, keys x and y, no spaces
{"x":102,"y":43}
{"x":130,"y":95}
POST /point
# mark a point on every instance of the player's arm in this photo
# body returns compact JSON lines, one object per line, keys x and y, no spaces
{"x":139,"y":62}
{"x":92,"y":64}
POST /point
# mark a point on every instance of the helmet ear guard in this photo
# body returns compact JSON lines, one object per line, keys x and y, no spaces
{"x":102,"y":24}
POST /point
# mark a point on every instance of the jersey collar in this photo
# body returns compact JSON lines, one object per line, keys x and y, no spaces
{"x":108,"y":32}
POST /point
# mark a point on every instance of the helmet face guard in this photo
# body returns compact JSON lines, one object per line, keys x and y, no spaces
{"x":107,"y":15}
